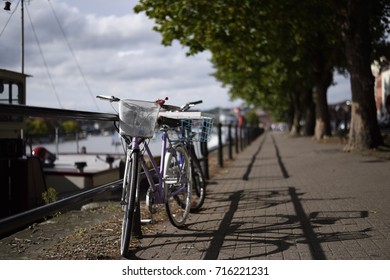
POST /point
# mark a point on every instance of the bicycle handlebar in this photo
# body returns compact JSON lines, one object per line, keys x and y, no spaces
{"x":182,"y":108}
{"x":116,"y":99}
{"x":160,"y":102}
{"x":189,"y":105}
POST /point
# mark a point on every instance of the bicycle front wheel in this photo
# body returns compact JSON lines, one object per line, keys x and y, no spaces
{"x":129,"y":199}
{"x":178,"y":184}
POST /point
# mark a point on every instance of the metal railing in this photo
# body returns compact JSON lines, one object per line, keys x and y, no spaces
{"x":28,"y":217}
{"x":241,"y":137}
{"x":32,"y":111}
{"x":25,"y":218}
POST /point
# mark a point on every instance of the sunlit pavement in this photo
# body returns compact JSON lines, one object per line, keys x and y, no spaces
{"x":286,"y":198}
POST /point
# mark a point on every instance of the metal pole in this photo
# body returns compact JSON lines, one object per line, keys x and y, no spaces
{"x":220,"y":146}
{"x":230,"y":141}
{"x":205,"y":159}
{"x":77,"y":143}
{"x":57,"y":143}
{"x":22,"y":34}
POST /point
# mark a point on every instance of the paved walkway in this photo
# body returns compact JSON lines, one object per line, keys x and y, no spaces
{"x":286,"y":198}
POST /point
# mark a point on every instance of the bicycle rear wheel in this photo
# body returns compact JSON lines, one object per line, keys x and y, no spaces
{"x":178,"y":184}
{"x":129,"y":199}
{"x":198,"y":193}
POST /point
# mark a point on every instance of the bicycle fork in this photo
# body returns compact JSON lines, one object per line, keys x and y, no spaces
{"x":130,"y":173}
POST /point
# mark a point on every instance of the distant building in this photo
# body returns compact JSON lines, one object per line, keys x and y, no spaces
{"x":382,"y":96}
{"x":382,"y":91}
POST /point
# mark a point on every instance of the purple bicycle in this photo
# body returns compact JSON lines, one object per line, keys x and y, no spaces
{"x":137,"y":122}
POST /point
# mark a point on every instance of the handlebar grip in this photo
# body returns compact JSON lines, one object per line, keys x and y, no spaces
{"x":110,"y":98}
{"x":196,"y":102}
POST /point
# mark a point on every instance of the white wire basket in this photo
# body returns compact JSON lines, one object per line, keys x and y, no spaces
{"x":202,"y":128}
{"x":137,"y":118}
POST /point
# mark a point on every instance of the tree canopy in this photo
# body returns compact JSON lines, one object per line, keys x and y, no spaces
{"x":271,"y":53}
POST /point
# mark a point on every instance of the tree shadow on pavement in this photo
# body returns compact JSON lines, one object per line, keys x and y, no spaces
{"x":266,"y":233}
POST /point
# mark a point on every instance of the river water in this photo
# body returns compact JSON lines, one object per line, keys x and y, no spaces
{"x":99,"y":144}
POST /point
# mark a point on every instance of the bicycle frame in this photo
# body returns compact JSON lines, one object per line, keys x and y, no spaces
{"x":137,"y":120}
{"x":158,"y":188}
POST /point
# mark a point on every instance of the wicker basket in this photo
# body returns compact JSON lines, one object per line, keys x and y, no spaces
{"x":137,"y":118}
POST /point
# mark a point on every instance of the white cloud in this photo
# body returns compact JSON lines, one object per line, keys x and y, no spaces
{"x":130,"y":53}
{"x":117,"y":52}
{"x":117,"y":55}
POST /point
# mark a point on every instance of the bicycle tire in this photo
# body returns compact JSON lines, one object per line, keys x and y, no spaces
{"x":178,"y":184}
{"x":130,"y":186}
{"x":198,"y":193}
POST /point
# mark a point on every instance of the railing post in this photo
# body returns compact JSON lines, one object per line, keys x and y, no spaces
{"x":57,"y":140}
{"x":241,"y":138}
{"x":236,"y":138}
{"x":230,"y":141}
{"x":220,"y":145}
{"x":246,"y":135}
{"x":205,"y":159}
{"x":77,"y":143}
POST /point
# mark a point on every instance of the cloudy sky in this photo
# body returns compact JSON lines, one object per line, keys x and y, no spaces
{"x":90,"y":47}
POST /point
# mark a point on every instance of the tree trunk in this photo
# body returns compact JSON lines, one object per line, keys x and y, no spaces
{"x":323,"y":128}
{"x":310,"y":113}
{"x":323,"y":78}
{"x":364,"y":131}
{"x":296,"y":122}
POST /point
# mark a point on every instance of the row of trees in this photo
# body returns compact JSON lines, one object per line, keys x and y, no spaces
{"x":282,"y":55}
{"x":40,"y":127}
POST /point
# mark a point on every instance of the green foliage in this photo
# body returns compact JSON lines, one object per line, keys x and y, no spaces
{"x":50,"y":195}
{"x":258,"y":47}
{"x":37,"y":126}
{"x":70,"y":126}
{"x":265,"y":52}
{"x":252,"y":118}
{"x":81,"y":231}
{"x":40,"y":126}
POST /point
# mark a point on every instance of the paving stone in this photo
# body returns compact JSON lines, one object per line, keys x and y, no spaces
{"x":299,"y":200}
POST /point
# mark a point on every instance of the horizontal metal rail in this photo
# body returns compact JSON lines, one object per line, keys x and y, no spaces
{"x":33,"y":111}
{"x":18,"y":221}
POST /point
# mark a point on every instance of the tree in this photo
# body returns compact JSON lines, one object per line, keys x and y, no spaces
{"x":271,"y":52}
{"x":363,"y":24}
{"x":70,"y":126}
{"x":37,"y":126}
